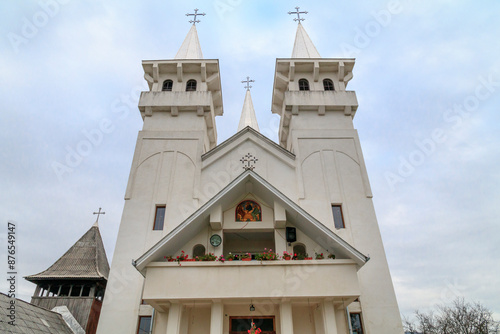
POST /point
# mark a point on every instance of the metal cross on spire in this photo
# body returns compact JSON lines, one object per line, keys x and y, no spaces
{"x":194,"y":21}
{"x":98,"y":214}
{"x":298,"y":12}
{"x":247,"y":81}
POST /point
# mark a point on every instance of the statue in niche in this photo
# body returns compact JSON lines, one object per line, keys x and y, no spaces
{"x":248,"y":211}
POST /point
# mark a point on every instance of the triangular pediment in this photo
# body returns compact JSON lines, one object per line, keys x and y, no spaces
{"x":296,"y":215}
{"x":245,"y":135}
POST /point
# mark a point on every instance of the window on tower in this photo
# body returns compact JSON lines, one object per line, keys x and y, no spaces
{"x":356,"y":325}
{"x":159,"y":217}
{"x":303,"y":84}
{"x":328,"y":84}
{"x":167,"y":85}
{"x":191,"y":86}
{"x":338,"y":218}
{"x":144,"y":325}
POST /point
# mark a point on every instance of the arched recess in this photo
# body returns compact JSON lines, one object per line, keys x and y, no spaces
{"x":198,"y":250}
{"x":299,"y":251}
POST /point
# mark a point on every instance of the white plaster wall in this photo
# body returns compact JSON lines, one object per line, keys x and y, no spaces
{"x":303,"y":320}
{"x":332,"y":171}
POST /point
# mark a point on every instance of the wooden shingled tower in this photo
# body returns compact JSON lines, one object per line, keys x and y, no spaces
{"x":77,"y":280}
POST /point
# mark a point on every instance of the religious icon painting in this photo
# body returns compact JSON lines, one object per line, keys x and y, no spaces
{"x":248,"y":211}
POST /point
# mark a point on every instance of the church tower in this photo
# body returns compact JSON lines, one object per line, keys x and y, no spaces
{"x":249,"y":235}
{"x":76,"y":280}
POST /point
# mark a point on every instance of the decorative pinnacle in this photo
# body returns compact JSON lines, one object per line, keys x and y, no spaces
{"x":247,"y":81}
{"x":298,"y":12}
{"x":194,"y":21}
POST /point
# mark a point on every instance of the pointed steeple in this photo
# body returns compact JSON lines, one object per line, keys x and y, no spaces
{"x":248,"y":117}
{"x":86,"y":259}
{"x":303,"y":46}
{"x":190,"y":48}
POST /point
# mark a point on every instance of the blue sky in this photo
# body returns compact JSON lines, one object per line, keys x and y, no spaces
{"x":426,"y":76}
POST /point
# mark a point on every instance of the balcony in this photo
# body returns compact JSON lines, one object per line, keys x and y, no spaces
{"x":172,"y":281}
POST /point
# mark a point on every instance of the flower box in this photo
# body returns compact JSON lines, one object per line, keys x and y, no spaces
{"x":247,"y":259}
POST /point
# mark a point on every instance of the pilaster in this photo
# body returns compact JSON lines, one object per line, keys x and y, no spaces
{"x":217,"y":318}
{"x":286,"y":319}
{"x":174,"y":319}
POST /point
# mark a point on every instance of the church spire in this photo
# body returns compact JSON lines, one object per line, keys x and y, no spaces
{"x":303,"y":46}
{"x":248,"y":117}
{"x":191,"y":48}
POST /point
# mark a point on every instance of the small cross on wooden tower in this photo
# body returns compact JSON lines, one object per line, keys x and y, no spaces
{"x":98,"y":214}
{"x":250,"y":160}
{"x":298,"y":12}
{"x":194,"y":21}
{"x":247,"y":81}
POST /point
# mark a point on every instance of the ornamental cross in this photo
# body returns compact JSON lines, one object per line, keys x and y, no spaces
{"x":298,"y":12}
{"x":247,"y":81}
{"x":249,"y":160}
{"x":98,"y":214}
{"x":194,"y":21}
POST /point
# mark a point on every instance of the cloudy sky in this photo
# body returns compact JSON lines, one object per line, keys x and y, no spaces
{"x":426,"y":76}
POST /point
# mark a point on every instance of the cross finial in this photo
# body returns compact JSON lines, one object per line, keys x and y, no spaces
{"x":98,"y":214}
{"x":247,"y":81}
{"x":194,"y":21}
{"x":298,"y":12}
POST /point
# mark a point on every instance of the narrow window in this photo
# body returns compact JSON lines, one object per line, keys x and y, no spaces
{"x":328,"y":84}
{"x":303,"y":84}
{"x":338,"y":218}
{"x":159,"y":217}
{"x":167,"y":85}
{"x":191,"y":86}
{"x":198,"y":250}
{"x":357,"y":327}
{"x":144,"y":325}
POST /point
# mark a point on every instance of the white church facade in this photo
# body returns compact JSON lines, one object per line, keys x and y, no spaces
{"x":241,"y":207}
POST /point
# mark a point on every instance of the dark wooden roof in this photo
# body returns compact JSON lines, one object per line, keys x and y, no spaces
{"x":31,"y":319}
{"x":86,"y":259}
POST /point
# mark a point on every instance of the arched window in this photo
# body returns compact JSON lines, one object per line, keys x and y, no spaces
{"x":303,"y":84}
{"x":198,"y":250}
{"x":191,"y":86}
{"x":299,"y":251}
{"x":248,"y":211}
{"x":328,"y":84}
{"x":167,"y":85}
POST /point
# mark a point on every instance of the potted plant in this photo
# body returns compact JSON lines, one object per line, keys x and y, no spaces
{"x":182,"y":257}
{"x":221,"y":259}
{"x":230,"y":257}
{"x":246,"y":257}
{"x":208,"y":257}
{"x":299,"y":256}
{"x":331,"y":256}
{"x":287,"y":256}
{"x":254,"y":329}
{"x":169,"y":258}
{"x":269,"y":255}
{"x":319,"y":256}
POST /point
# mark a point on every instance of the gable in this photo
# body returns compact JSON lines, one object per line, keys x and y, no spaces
{"x":293,"y":213}
{"x":259,"y":143}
